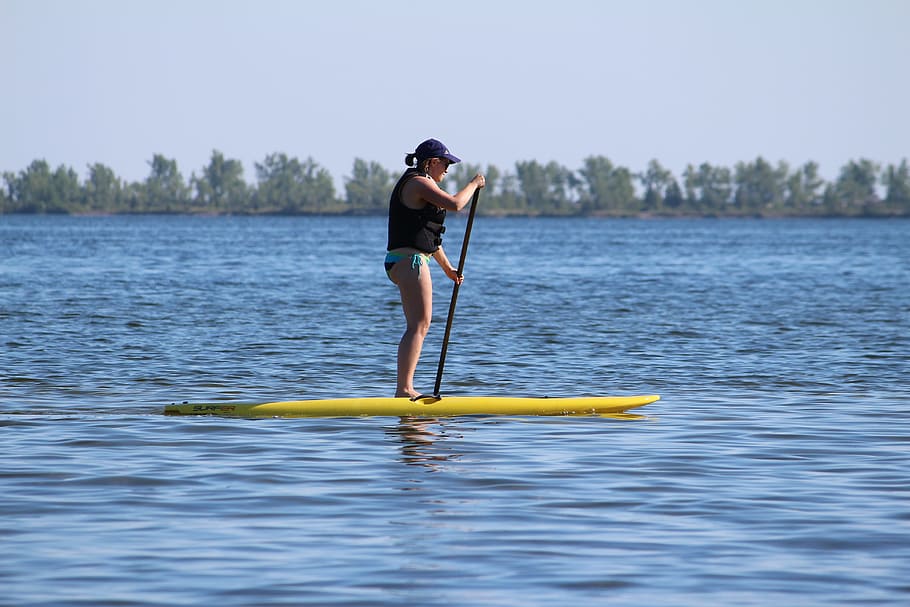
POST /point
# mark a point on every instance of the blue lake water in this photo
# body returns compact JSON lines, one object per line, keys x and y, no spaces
{"x":774,"y":471}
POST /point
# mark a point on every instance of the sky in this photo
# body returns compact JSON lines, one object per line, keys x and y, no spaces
{"x":680,"y":81}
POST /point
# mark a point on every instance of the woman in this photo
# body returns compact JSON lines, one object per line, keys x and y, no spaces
{"x":417,"y":210}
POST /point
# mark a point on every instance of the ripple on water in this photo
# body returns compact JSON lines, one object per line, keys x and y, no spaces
{"x":773,"y":470}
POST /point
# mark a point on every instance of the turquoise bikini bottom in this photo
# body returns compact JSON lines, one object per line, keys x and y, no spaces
{"x":417,"y":260}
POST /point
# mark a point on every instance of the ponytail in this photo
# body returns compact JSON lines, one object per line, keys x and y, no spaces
{"x":411,"y":160}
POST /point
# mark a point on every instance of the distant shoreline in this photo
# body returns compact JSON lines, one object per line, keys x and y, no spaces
{"x":289,"y":186}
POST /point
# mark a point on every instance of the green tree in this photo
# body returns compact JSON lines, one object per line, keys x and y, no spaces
{"x":102,"y":189}
{"x":690,"y":185}
{"x":854,"y":190}
{"x":534,"y":184}
{"x":758,"y":185}
{"x":318,"y":187}
{"x":221,"y":187}
{"x":804,"y":189}
{"x":564,"y":185}
{"x":673,"y":196}
{"x":133,"y":197}
{"x":164,"y":190}
{"x":510,"y":196}
{"x":605,"y":187}
{"x":493,"y":192}
{"x":31,"y":191}
{"x":289,"y":186}
{"x":277,"y":188}
{"x":6,"y":195}
{"x":68,"y":189}
{"x":656,"y":180}
{"x":708,"y":188}
{"x":38,"y":190}
{"x":369,"y":186}
{"x":896,"y":179}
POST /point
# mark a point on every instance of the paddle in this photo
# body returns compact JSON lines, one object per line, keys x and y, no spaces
{"x":464,"y":252}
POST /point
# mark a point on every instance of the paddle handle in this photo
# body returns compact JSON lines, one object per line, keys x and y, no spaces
{"x":460,"y":272}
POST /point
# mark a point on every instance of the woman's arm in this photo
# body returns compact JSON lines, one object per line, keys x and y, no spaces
{"x":446,"y":265}
{"x":421,"y":190}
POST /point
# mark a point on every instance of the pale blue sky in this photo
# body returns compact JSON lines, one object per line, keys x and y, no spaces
{"x":117,"y":81}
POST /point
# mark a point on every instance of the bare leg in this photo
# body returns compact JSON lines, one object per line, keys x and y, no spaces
{"x":416,"y":287}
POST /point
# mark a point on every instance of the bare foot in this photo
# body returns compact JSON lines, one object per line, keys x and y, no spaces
{"x":406,"y":394}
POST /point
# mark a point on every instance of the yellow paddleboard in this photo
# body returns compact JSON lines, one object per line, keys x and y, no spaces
{"x":425,"y":406}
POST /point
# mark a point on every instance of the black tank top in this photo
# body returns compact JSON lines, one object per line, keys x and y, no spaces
{"x":419,"y":229}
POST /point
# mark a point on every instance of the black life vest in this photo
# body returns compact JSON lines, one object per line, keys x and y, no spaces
{"x":419,"y":229}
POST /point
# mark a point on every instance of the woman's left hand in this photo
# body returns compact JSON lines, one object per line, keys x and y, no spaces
{"x":453,"y":274}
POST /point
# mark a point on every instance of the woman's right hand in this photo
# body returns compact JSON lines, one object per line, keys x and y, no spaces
{"x":479,"y":181}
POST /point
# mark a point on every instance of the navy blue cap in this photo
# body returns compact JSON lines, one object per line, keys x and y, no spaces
{"x":433,"y":148}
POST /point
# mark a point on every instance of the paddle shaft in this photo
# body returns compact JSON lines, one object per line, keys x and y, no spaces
{"x":464,"y":253}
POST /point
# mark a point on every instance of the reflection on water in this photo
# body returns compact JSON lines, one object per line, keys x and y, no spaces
{"x":625,"y":416}
{"x":430,"y":442}
{"x":425,"y":441}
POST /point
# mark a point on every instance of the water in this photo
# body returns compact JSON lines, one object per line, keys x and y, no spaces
{"x":775,"y":469}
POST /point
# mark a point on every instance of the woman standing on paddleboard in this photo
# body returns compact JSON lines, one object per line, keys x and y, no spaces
{"x":417,"y":210}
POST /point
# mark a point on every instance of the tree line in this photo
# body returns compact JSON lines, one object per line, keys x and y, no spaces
{"x":288,"y":185}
